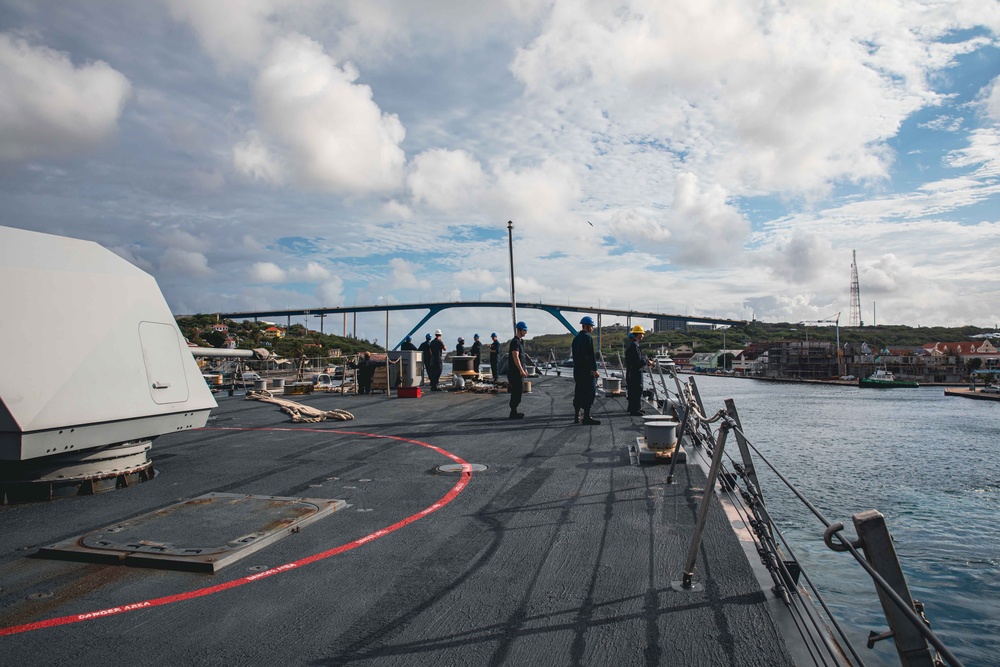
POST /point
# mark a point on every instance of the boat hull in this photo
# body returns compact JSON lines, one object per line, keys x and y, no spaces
{"x":886,"y":384}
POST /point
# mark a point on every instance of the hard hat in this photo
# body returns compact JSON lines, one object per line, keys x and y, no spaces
{"x":637,"y":330}
{"x":587,"y":319}
{"x":476,"y":337}
{"x":521,"y":325}
{"x":407,"y":339}
{"x":493,"y":335}
{"x":437,"y":332}
{"x":428,"y":336}
{"x":461,"y":340}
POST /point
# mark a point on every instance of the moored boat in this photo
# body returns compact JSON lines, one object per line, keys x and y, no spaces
{"x":884,"y":379}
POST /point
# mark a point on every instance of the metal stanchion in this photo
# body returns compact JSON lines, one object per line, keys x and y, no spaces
{"x":686,"y":583}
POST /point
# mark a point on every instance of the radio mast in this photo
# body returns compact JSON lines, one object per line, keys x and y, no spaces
{"x":855,"y":317}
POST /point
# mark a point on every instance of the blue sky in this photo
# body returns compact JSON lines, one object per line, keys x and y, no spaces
{"x":712,"y":157}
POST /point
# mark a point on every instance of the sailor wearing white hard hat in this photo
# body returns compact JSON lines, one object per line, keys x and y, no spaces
{"x":437,"y":349}
{"x":584,"y":372}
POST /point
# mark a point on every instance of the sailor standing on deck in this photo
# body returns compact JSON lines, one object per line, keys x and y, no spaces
{"x":366,"y":373}
{"x":516,"y":369}
{"x":407,"y":344}
{"x":460,"y":348}
{"x":494,"y":356}
{"x":425,"y":358}
{"x":437,"y":360}
{"x":584,"y":372}
{"x":635,"y":364}
{"x":476,"y":351}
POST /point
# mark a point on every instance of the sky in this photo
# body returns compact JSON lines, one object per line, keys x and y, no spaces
{"x":721,"y":158}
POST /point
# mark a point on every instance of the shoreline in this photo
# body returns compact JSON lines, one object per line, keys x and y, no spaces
{"x":846,"y":383}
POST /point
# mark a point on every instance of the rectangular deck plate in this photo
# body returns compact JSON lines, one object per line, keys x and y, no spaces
{"x":203,"y":534}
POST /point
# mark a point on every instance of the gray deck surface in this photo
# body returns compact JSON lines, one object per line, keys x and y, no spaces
{"x":561,"y":553}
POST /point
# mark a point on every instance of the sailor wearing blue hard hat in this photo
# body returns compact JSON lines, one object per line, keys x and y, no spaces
{"x":408,"y":344}
{"x":476,"y":351}
{"x":584,"y":372}
{"x":425,"y":358}
{"x":516,"y":369}
{"x":494,"y":356}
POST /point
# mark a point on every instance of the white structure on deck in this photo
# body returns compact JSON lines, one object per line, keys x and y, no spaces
{"x":92,"y":355}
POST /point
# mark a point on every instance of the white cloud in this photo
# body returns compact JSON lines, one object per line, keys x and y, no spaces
{"x":175,"y":261}
{"x":404,"y":275}
{"x":254,"y":159}
{"x":51,"y":108}
{"x":700,"y":229}
{"x":313,"y":272}
{"x":779,"y":97}
{"x":780,"y":308}
{"x":267,"y":272}
{"x":330,"y":132}
{"x":476,"y":277}
{"x":803,"y":258}
{"x":527,"y":286}
{"x":445,"y":179}
{"x":990,"y":100}
{"x":887,"y":275}
{"x":540,"y":200}
{"x":331,"y":292}
{"x":232,"y":31}
{"x":180,"y":239}
{"x":395,"y":210}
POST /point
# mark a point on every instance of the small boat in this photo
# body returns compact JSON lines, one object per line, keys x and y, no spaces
{"x":884,"y":379}
{"x":664,"y":362}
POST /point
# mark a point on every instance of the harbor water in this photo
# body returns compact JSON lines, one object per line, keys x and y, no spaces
{"x":929,"y":463}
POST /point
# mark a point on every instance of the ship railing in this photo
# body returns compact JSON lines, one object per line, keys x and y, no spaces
{"x":873,"y":550}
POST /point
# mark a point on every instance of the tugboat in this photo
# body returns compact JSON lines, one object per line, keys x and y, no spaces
{"x":884,"y":379}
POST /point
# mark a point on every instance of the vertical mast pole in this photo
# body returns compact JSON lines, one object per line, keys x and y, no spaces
{"x":513,"y":300}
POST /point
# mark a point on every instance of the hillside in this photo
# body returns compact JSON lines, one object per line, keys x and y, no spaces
{"x":297,"y":341}
{"x":736,"y":337}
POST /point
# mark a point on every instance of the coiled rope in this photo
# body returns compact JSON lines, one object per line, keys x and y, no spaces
{"x":301,"y":414}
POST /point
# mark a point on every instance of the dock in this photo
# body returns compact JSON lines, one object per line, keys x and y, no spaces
{"x":462,"y":538}
{"x":977,"y":394}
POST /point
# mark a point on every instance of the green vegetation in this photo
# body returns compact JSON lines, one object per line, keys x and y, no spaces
{"x":737,"y":337}
{"x":297,"y":342}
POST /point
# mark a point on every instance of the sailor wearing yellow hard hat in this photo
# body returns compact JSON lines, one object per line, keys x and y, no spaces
{"x":635,"y":364}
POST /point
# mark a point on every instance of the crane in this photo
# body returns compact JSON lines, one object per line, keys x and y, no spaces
{"x":835,"y":318}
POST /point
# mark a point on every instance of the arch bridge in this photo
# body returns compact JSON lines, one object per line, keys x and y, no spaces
{"x":557,"y":311}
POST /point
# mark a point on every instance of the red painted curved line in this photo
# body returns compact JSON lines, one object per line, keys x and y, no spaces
{"x":463,"y":481}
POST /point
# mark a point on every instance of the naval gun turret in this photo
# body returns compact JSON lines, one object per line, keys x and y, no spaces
{"x":94,"y":369}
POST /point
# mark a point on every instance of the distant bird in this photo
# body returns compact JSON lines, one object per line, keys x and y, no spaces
{"x":590,"y":223}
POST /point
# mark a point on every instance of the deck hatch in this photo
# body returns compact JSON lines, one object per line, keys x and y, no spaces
{"x":203,"y":534}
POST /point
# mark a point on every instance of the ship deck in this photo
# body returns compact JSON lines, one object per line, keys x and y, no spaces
{"x":559,"y":552}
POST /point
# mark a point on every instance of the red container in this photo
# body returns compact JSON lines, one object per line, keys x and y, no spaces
{"x":408,"y":392}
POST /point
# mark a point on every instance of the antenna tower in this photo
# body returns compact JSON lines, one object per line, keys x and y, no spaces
{"x":855,"y":318}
